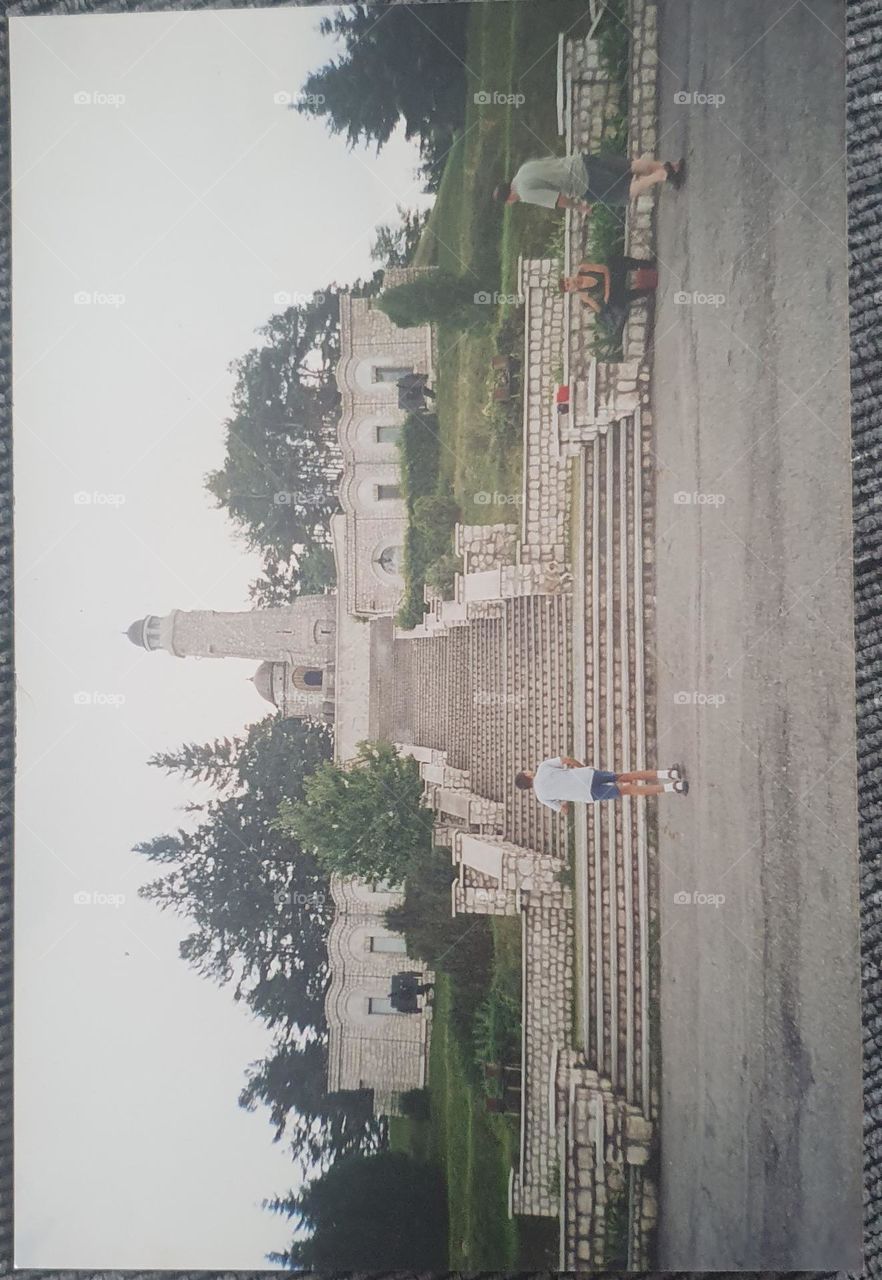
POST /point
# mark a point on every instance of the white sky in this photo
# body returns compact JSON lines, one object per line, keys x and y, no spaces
{"x":198,"y":198}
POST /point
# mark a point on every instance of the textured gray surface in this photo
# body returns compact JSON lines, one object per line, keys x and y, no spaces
{"x":760,"y":1007}
{"x":865,"y":235}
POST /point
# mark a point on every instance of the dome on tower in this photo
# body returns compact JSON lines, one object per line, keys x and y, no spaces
{"x":137,"y":632}
{"x":263,"y":681}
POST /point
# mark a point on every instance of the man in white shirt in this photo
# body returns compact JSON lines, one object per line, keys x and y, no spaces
{"x":579,"y":181}
{"x":561,"y":779}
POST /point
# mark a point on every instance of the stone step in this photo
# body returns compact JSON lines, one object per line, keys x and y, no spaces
{"x":612,"y":837}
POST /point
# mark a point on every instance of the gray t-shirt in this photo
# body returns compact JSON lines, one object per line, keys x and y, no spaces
{"x":553,"y":783}
{"x":542,"y":181}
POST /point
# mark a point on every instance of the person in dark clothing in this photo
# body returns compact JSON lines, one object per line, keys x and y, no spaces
{"x":604,"y":289}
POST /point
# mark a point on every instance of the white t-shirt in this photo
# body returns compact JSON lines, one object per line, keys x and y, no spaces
{"x":542,"y":181}
{"x":553,"y":783}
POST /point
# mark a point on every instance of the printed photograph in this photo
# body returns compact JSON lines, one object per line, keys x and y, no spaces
{"x":436,"y":798}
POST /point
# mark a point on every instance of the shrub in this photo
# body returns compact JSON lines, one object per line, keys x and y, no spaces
{"x":434,"y":515}
{"x":419,"y":448}
{"x":416,"y":1103}
{"x":436,"y":298}
{"x":613,"y":41}
{"x":510,"y":334}
{"x":455,"y":945}
{"x":497,"y":1035}
{"x":441,"y":573}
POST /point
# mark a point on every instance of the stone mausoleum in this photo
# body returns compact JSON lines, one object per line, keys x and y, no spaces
{"x":542,"y":650}
{"x":329,"y":657}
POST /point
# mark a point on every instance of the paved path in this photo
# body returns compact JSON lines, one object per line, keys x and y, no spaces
{"x":761,"y":1114}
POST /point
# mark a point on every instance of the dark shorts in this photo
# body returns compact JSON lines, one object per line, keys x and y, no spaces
{"x":608,"y":178}
{"x":603,"y":786}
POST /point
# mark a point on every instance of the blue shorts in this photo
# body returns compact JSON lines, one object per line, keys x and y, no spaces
{"x":604,"y":786}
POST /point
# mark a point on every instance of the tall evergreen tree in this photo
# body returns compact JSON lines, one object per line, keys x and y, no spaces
{"x":397,"y":65}
{"x":369,"y":1213}
{"x":257,"y":902}
{"x":259,"y":910}
{"x":395,"y":245}
{"x":321,"y":1127}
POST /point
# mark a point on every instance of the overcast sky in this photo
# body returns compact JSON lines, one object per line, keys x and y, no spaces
{"x":181,"y":197}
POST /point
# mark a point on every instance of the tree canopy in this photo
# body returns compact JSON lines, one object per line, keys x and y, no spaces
{"x":395,"y":245}
{"x":370,"y":1213}
{"x":280,"y":471}
{"x":259,"y":909}
{"x":365,"y":818}
{"x":439,"y":298}
{"x":400,"y":63}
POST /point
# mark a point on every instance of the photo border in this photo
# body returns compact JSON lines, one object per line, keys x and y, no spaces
{"x":864,"y":185}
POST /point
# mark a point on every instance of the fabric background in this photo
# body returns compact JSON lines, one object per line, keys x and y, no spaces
{"x":864,"y":136}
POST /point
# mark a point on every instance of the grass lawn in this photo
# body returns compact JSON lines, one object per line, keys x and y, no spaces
{"x":475,"y":1149}
{"x":512,"y":49}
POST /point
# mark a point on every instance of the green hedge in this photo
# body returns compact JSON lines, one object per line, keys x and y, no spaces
{"x":428,"y":539}
{"x":419,"y":447}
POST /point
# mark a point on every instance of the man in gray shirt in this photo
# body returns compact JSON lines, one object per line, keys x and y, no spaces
{"x":580,"y":181}
{"x":561,"y":779}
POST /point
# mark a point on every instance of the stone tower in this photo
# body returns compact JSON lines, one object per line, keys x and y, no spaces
{"x":295,"y":645}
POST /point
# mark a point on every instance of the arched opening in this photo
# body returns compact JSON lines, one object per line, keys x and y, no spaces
{"x":391,"y":560}
{"x":307,"y":679}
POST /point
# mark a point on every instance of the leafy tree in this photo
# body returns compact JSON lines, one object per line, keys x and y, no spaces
{"x":439,"y":297}
{"x":281,"y":468}
{"x":395,"y":245}
{"x":365,"y":818}
{"x":375,"y":1213}
{"x":397,"y":65}
{"x":318,"y":571}
{"x":313,"y":573}
{"x":279,"y":583}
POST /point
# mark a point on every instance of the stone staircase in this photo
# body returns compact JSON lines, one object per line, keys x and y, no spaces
{"x":487,"y":658}
{"x":612,"y":874}
{"x":494,"y":695}
{"x":537,"y":675}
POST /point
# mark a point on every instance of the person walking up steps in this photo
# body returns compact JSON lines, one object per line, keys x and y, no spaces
{"x":561,"y":779}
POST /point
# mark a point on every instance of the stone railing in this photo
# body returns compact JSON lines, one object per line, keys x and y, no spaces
{"x":592,"y":106}
{"x":642,"y":140}
{"x":546,"y":474}
{"x":603,"y":1155}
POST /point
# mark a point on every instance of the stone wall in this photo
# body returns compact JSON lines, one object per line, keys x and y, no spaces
{"x":547,"y":1031}
{"x":607,"y":393}
{"x":603,"y":1159}
{"x":544,"y":511}
{"x":526,"y":878}
{"x":387,"y":1053}
{"x":642,"y":140}
{"x":592,"y":107}
{"x":370,"y":342}
{"x":484,"y":546}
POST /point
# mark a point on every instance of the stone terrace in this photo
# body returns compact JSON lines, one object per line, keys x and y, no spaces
{"x":544,"y":650}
